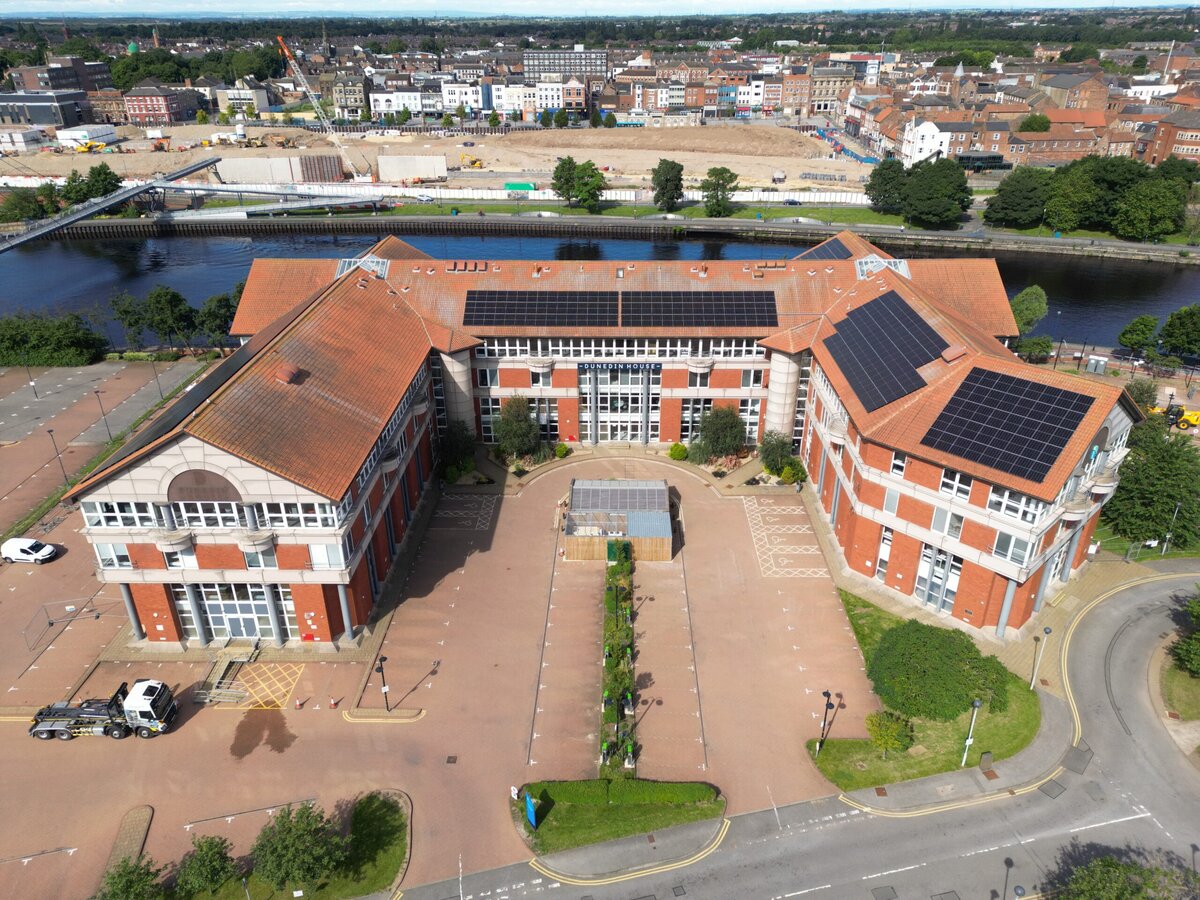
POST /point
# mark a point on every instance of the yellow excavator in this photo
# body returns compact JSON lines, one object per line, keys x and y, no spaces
{"x":1178,"y":415}
{"x":90,"y":147}
{"x":471,"y":162}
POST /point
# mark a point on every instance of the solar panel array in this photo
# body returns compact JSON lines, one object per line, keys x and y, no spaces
{"x":681,"y":309}
{"x":1011,"y":424}
{"x":550,"y":308}
{"x":880,"y":345}
{"x":618,"y":496}
{"x":831,"y":249}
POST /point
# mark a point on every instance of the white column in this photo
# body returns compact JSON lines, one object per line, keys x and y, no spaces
{"x":782,"y":384}
{"x":458,"y":388}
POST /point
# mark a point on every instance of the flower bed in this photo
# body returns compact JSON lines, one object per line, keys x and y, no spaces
{"x":618,"y":750}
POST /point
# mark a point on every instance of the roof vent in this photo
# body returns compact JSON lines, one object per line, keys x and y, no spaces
{"x":286,"y":373}
{"x":537,"y":271}
{"x":620,"y":272}
{"x":953,"y":352}
{"x":812,"y":273}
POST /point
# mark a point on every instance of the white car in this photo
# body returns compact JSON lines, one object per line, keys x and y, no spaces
{"x":26,"y":550}
{"x":424,"y":198}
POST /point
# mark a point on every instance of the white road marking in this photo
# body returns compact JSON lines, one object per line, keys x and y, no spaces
{"x":805,"y":891}
{"x":892,"y":871}
{"x":1110,"y":822}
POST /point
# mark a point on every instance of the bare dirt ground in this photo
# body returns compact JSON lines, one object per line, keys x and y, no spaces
{"x":755,"y":152}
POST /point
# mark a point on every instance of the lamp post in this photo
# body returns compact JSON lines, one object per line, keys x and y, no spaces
{"x":154,"y":368}
{"x":384,"y":688}
{"x":975,"y":704}
{"x":1037,"y":657}
{"x":1174,"y":516}
{"x":824,"y":722}
{"x":62,"y":468}
{"x":103,"y":415}
{"x":29,"y":376}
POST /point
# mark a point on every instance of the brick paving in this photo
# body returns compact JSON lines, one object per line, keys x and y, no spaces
{"x":131,"y":835}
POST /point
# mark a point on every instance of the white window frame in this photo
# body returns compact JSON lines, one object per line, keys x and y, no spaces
{"x":539,"y":379}
{"x":296,"y":515}
{"x":891,"y":500}
{"x":956,"y":484}
{"x":180,"y":559}
{"x":327,"y":556}
{"x":113,"y":556}
{"x":946,"y":522}
{"x":208,"y":514}
{"x":698,"y":379}
{"x":261,"y":559}
{"x":118,"y":514}
{"x":899,"y":463}
{"x":487,"y":377}
{"x":1016,"y":505}
{"x":1010,"y":547}
{"x":752,"y":378}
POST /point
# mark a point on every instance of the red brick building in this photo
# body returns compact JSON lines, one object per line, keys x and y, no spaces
{"x":151,"y":105}
{"x":272,"y":499}
{"x":1176,"y":135}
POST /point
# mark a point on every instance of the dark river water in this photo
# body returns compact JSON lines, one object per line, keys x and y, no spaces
{"x":1090,"y":300}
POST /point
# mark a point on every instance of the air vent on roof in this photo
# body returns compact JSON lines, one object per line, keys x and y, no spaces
{"x":704,"y":271}
{"x":953,"y":352}
{"x":620,"y":272}
{"x":286,"y":373}
{"x":812,"y":273}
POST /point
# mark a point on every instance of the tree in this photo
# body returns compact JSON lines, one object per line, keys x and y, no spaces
{"x":493,"y":119}
{"x":775,"y":451}
{"x":207,"y":867}
{"x":75,"y":189}
{"x":561,"y":119}
{"x":224,"y":117}
{"x":1139,"y":334}
{"x":21,"y":204}
{"x":405,"y":116}
{"x":461,"y":112}
{"x":934,"y":673}
{"x":718,"y":187}
{"x":130,"y":313}
{"x":364,"y":115}
{"x":1073,"y":193}
{"x":298,"y":847}
{"x":287,"y":118}
{"x":722,"y":431}
{"x":169,"y":316}
{"x":1079,"y":53}
{"x":517,"y":432}
{"x":249,"y":111}
{"x":594,"y":118}
{"x":885,"y":187}
{"x":1020,"y":200}
{"x":1162,"y":469}
{"x":48,"y":197}
{"x":102,"y":180}
{"x":215,"y":318}
{"x":447,"y":121}
{"x":1029,"y":307}
{"x":1035,"y":349}
{"x":590,"y":185}
{"x":1186,"y":653}
{"x":1185,"y":170}
{"x":1034,"y":122}
{"x":1149,"y":211}
{"x":546,"y":119}
{"x":936,"y":194}
{"x":201,"y":117}
{"x":610,"y":120}
{"x":1108,"y":878}
{"x":131,"y":880}
{"x":563,"y":181}
{"x":1181,"y":332}
{"x":667,"y":181}
{"x":889,"y":731}
{"x":1143,"y":391}
{"x":1140,"y":62}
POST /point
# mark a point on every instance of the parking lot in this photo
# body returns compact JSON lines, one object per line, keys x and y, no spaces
{"x":497,"y":639}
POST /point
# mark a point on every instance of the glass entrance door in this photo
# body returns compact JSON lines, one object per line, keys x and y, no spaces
{"x":241,"y":625}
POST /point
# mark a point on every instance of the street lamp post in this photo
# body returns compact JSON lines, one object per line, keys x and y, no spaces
{"x":975,"y":704}
{"x":1018,"y":891}
{"x":62,"y":468}
{"x":154,"y":368}
{"x":384,"y":689}
{"x":824,"y":721}
{"x":103,"y":415}
{"x":1037,"y":658}
{"x":29,"y":377}
{"x":1174,"y":516}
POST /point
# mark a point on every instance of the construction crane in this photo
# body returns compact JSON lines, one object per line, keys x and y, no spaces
{"x":326,"y":125}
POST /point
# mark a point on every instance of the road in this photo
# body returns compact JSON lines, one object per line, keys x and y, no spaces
{"x":1137,"y":792}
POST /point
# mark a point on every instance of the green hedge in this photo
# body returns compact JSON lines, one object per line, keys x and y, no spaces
{"x":38,"y":340}
{"x":623,"y":792}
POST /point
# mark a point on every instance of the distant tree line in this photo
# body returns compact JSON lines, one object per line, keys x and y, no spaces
{"x":24,"y":204}
{"x":167,"y":314}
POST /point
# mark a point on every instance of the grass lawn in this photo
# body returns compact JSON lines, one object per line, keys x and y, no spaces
{"x":573,"y":824}
{"x":849,"y":215}
{"x":1046,"y":231}
{"x":1120,"y":546}
{"x":378,"y":839}
{"x":854,"y":764}
{"x":1181,"y":691}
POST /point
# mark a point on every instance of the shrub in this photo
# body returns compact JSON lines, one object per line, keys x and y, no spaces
{"x":775,"y":451}
{"x":889,"y":731}
{"x":561,"y":450}
{"x":111,"y":357}
{"x":788,"y":475}
{"x":934,"y":673}
{"x":1186,"y":653}
{"x":299,"y":846}
{"x":698,"y":452}
{"x":678,"y":452}
{"x":452,"y":475}
{"x":517,"y":432}
{"x":520,"y":471}
{"x":798,"y":468}
{"x":129,"y":880}
{"x":213,"y":354}
{"x":207,"y":867}
{"x":38,"y":340}
{"x":588,"y":793}
{"x":633,"y":790}
{"x":457,"y":446}
{"x":167,"y":355}
{"x":137,"y":356}
{"x":723,"y":431}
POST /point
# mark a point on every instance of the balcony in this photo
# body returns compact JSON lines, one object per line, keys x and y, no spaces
{"x":1078,"y":506}
{"x":254,"y":541}
{"x":836,"y":429}
{"x":171,"y":540}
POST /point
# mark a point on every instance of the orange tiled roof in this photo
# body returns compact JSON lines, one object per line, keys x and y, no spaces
{"x":275,"y":286}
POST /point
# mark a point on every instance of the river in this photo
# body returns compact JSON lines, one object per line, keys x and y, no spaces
{"x":1090,"y":300}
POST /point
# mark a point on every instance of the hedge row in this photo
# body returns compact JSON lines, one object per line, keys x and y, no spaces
{"x":623,"y":792}
{"x":38,"y":340}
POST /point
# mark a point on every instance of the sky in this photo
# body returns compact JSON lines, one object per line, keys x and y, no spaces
{"x":333,"y":8}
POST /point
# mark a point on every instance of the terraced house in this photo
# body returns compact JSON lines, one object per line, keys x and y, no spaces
{"x":269,"y":503}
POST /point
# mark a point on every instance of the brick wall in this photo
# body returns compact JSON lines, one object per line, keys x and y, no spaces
{"x":156,"y":609}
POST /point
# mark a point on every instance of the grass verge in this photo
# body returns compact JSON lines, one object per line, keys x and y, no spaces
{"x":1181,"y":691}
{"x":1114,"y":543}
{"x":574,"y":813}
{"x":855,"y":764}
{"x":378,"y":844}
{"x":24,"y":524}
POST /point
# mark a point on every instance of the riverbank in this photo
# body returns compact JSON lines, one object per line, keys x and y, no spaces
{"x":894,"y":240}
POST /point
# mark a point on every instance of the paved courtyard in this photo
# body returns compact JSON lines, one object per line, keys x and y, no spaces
{"x":498,"y":640}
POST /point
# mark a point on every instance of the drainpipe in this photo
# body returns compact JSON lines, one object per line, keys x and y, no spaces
{"x":273,"y":613}
{"x":344,"y":600}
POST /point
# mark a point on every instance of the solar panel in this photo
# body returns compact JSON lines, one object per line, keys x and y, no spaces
{"x":831,"y":249}
{"x":714,"y":309}
{"x":549,"y":308}
{"x":1007,"y":423}
{"x":880,"y":345}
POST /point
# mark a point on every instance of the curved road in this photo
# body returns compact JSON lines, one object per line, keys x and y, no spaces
{"x":1137,"y":793}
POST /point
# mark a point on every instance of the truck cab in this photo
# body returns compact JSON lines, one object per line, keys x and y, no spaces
{"x":150,"y":704}
{"x":147,"y":710}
